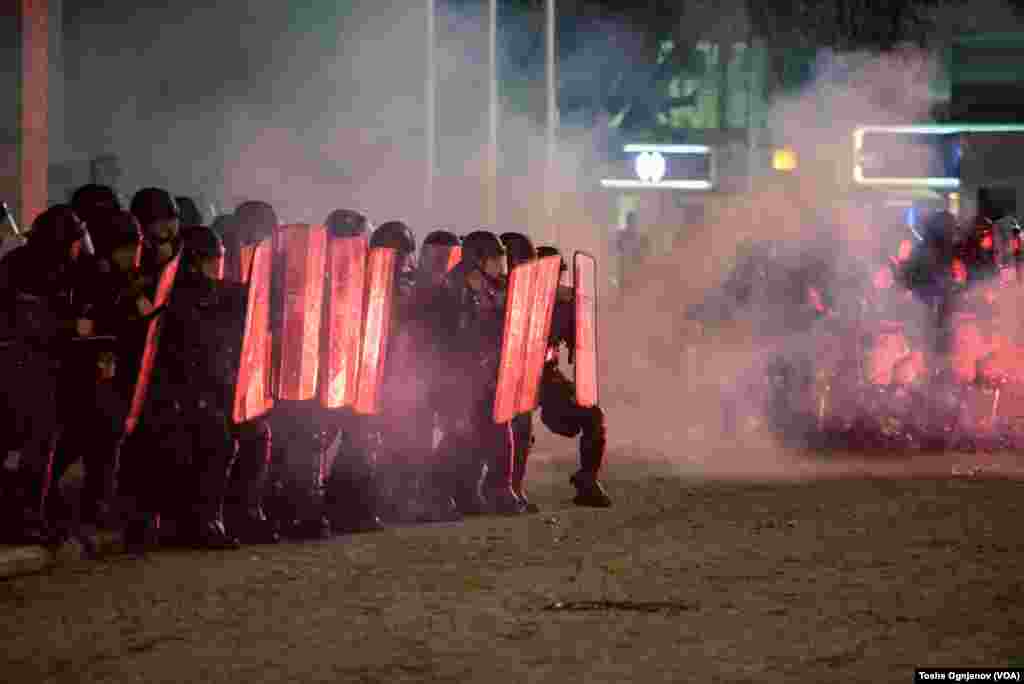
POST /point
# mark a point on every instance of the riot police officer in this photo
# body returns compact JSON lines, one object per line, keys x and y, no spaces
{"x":38,"y":317}
{"x":521,"y":250}
{"x":159,"y":216}
{"x":472,"y":323}
{"x":406,"y":422}
{"x":351,"y":491}
{"x":433,"y":264}
{"x":558,"y":408}
{"x":97,"y":385}
{"x":188,"y":445}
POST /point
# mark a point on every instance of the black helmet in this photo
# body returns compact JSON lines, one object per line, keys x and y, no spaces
{"x":201,"y":242}
{"x":442,"y":237}
{"x":257,"y":221}
{"x":520,"y":248}
{"x":396,"y":235}
{"x":190,"y":214}
{"x":89,"y":200}
{"x":55,"y":230}
{"x":347,"y":223}
{"x":549,"y":251}
{"x":150,"y":205}
{"x":480,"y":245}
{"x":112,"y":229}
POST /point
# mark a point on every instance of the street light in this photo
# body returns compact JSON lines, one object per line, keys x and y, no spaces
{"x":784,"y":159}
{"x":552,"y":123}
{"x":431,"y":113}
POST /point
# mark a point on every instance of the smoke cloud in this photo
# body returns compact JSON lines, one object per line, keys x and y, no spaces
{"x":323,"y":106}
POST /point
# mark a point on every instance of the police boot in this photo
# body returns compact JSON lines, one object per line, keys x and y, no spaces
{"x":21,"y":521}
{"x":141,"y":533}
{"x":503,"y":501}
{"x":435,"y":500}
{"x":244,"y":517}
{"x":250,"y":526}
{"x":210,"y":534}
{"x":589,"y":491}
{"x":351,"y":503}
{"x":463,"y":484}
{"x":204,"y":528}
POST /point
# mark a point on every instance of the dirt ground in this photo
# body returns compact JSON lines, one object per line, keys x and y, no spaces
{"x":693,"y":576}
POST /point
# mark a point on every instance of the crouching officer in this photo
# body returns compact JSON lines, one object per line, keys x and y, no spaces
{"x":558,"y":408}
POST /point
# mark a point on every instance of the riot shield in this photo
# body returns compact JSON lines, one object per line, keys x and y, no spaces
{"x":251,"y":392}
{"x":303,"y":249}
{"x":341,"y":338}
{"x":238,"y":262}
{"x":380,"y":279}
{"x":535,"y":350}
{"x":585,"y":283}
{"x":519,"y":302}
{"x":149,"y":351}
{"x":513,"y":344}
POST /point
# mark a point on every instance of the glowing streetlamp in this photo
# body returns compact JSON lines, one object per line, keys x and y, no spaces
{"x":784,"y":159}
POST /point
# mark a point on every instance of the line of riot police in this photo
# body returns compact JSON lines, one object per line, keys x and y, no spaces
{"x":912,"y":343}
{"x":245,"y":381}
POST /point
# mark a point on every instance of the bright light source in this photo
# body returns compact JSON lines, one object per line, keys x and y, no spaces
{"x":784,"y":159}
{"x":924,"y":129}
{"x":941,"y":183}
{"x":668,"y":149}
{"x":910,"y":216}
{"x":661,"y":185}
{"x":954,"y":203}
{"x":650,"y":167}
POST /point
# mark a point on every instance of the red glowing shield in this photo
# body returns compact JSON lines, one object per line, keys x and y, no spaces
{"x":585,"y":283}
{"x":303,"y":251}
{"x":545,"y":283}
{"x":379,"y":293}
{"x":343,"y":321}
{"x":163,"y":293}
{"x":252,"y":390}
{"x":519,"y":303}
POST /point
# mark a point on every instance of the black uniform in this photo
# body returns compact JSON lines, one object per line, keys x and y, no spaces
{"x":351,"y":495}
{"x":473,"y":323}
{"x":37,"y":314}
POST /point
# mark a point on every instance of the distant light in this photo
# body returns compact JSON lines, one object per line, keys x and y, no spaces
{"x":661,"y":185}
{"x":650,"y":167}
{"x":954,"y":203}
{"x":940,"y":183}
{"x":668,"y":149}
{"x":910,"y":216}
{"x":784,"y":159}
{"x":923,"y":129}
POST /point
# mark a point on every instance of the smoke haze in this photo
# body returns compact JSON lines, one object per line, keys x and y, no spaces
{"x":323,"y":106}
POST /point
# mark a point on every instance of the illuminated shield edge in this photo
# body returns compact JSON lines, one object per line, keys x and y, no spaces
{"x":252,"y":396}
{"x":343,"y":321}
{"x":513,"y":343}
{"x":585,"y":283}
{"x":303,"y":248}
{"x":543,"y":301}
{"x":379,"y":293}
{"x":165,"y":285}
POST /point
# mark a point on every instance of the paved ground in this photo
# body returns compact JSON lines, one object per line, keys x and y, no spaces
{"x":686,"y":579}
